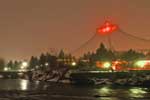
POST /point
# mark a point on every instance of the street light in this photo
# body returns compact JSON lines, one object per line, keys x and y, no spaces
{"x":5,"y":69}
{"x":46,"y":64}
{"x":73,"y":63}
{"x":25,"y":64}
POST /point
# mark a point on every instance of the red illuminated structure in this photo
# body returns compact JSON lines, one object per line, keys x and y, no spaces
{"x":107,"y":28}
{"x":119,"y":65}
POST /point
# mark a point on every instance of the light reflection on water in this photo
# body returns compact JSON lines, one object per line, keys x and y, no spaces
{"x":114,"y":93}
{"x":103,"y":92}
{"x":20,"y":84}
{"x":137,"y":92}
{"x":24,"y":84}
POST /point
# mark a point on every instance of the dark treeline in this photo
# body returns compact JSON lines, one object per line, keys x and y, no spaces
{"x":50,"y":61}
{"x":104,"y":54}
{"x":13,"y":65}
{"x":44,"y":61}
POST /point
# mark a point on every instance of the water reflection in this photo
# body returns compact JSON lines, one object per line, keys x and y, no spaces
{"x":20,"y":84}
{"x":121,"y":93}
{"x":109,"y":98}
{"x":24,"y":84}
{"x":103,"y":91}
{"x":66,"y":90}
{"x":137,"y":92}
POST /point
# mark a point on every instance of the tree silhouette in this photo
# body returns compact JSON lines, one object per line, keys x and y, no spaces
{"x":16,"y":65}
{"x":2,"y":64}
{"x":61,"y":54}
{"x":33,"y":62}
{"x":102,"y":54}
{"x":42,"y":61}
{"x":10,"y":64}
{"x":132,"y":55}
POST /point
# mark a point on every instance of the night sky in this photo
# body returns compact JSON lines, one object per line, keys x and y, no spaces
{"x":29,"y":27}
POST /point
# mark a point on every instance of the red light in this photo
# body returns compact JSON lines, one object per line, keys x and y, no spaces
{"x":103,"y":30}
{"x":107,"y":28}
{"x":114,"y":27}
{"x":107,"y":23}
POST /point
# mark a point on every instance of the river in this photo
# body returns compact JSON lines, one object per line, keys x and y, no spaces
{"x":18,"y":89}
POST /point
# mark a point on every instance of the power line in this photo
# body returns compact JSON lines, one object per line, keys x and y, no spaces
{"x":133,"y":36}
{"x":109,"y":40}
{"x":84,"y":44}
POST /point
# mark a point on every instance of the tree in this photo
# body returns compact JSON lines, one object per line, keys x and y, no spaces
{"x":111,"y":55}
{"x":53,"y":62}
{"x":2,"y":64}
{"x":10,"y":64}
{"x":102,"y":54}
{"x":148,"y":55}
{"x":61,"y":54}
{"x":42,"y":60}
{"x":48,"y":58}
{"x":131,"y":55}
{"x":16,"y":65}
{"x":33,"y":62}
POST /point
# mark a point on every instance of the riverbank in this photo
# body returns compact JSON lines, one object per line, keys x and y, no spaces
{"x":126,"y":78}
{"x":133,"y":78}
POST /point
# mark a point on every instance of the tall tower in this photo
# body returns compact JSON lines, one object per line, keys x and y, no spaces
{"x":106,"y":29}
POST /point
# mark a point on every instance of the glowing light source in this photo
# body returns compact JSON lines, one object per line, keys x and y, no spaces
{"x":24,"y":65}
{"x":107,"y":28}
{"x":107,"y":65}
{"x":46,"y":64}
{"x":140,"y":63}
{"x":37,"y":66}
{"x":73,"y":63}
{"x":5,"y":69}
